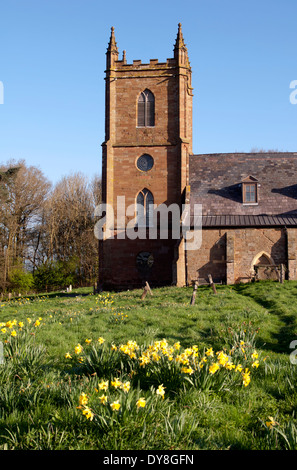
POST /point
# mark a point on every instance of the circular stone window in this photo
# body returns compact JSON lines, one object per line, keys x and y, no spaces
{"x":144,"y":260}
{"x":145,"y":162}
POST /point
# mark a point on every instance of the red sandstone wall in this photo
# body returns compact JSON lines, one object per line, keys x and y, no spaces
{"x":248,"y":242}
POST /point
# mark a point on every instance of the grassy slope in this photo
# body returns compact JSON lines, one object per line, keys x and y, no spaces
{"x":230,"y":420}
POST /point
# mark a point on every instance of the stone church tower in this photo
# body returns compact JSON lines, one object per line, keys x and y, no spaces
{"x":145,"y":163}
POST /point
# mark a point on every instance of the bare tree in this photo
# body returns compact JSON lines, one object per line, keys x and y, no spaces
{"x":23,"y":193}
{"x":69,"y":217}
{"x":42,"y":224}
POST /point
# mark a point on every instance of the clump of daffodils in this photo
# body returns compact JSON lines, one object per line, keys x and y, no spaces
{"x":104,"y":300}
{"x":118,"y":318}
{"x":13,"y":328}
{"x":187,"y":363}
{"x":111,"y":394}
{"x":105,"y":401}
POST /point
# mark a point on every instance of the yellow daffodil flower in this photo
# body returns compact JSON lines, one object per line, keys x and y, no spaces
{"x":213,"y":368}
{"x":83,"y":399}
{"x":103,"y":385}
{"x":88,"y":413}
{"x":125,"y":386}
{"x":103,"y":399}
{"x":115,"y":406}
{"x":116,"y":383}
{"x":246,"y":377}
{"x":255,"y":355}
{"x":141,"y":403}
{"x":161,"y":391}
{"x":78,"y":349}
{"x":209,"y":352}
{"x":271,"y":422}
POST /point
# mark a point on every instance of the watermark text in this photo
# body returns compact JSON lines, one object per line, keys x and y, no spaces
{"x":293,"y":94}
{"x":1,"y":93}
{"x":152,"y":222}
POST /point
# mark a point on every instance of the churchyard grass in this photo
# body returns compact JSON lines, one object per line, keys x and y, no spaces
{"x":111,"y":371}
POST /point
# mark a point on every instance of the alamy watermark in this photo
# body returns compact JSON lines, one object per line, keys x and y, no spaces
{"x":293,"y":355}
{"x":153,"y":222}
{"x":1,"y":93}
{"x":293,"y":94}
{"x":1,"y":353}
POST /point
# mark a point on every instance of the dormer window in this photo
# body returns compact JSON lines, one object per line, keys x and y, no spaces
{"x":250,"y":190}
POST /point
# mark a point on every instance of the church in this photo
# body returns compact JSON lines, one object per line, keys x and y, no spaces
{"x":247,"y":218}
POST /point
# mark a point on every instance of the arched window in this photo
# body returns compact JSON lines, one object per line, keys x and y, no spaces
{"x":146,"y":109}
{"x":145,"y":208}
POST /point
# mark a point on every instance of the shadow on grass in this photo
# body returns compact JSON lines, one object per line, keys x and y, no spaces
{"x":271,"y":296}
{"x":60,"y":294}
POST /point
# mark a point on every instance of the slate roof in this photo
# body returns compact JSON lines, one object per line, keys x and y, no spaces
{"x":216,"y":179}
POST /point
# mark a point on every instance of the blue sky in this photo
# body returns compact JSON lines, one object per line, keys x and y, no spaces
{"x":52,"y":61}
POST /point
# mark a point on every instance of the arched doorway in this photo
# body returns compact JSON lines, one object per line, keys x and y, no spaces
{"x":263,"y":267}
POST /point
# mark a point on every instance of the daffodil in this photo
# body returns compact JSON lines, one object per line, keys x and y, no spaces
{"x":103,"y":399}
{"x":13,"y":333}
{"x":83,"y":399}
{"x":78,"y":349}
{"x":141,"y":403}
{"x":103,"y":385}
{"x":125,"y":386}
{"x":101,"y":340}
{"x":156,"y":357}
{"x":88,"y":413}
{"x":214,"y":367}
{"x":187,"y":370}
{"x":116,"y":383}
{"x":222,"y":358}
{"x":144,"y":360}
{"x":246,"y":377}
{"x":271,"y":422}
{"x":255,"y":355}
{"x":209,"y":352}
{"x":161,"y":391}
{"x":255,"y":364}
{"x":88,"y":341}
{"x":230,"y":365}
{"x":115,"y":406}
{"x":68,"y":355}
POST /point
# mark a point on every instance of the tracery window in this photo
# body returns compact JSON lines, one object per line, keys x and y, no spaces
{"x":145,"y":208}
{"x":145,"y":162}
{"x":146,"y":109}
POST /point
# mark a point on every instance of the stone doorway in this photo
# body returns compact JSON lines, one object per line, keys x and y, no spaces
{"x":264,"y":267}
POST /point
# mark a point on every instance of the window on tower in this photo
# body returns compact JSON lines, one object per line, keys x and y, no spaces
{"x":146,"y":109}
{"x":145,"y":208}
{"x":145,"y":162}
